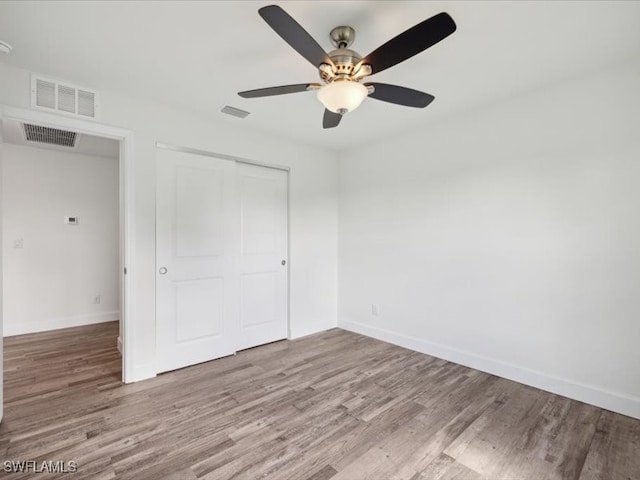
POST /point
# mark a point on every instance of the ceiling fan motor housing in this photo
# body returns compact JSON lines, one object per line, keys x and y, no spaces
{"x":344,"y":60}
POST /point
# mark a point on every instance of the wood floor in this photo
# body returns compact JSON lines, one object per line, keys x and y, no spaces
{"x":335,"y":405}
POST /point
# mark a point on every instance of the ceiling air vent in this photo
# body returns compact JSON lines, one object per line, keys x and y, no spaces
{"x":49,"y":94}
{"x":50,"y":136}
{"x":45,"y":94}
{"x":235,"y":112}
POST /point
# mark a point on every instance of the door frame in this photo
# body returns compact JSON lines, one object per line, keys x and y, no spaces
{"x":126,"y":210}
{"x":233,"y":158}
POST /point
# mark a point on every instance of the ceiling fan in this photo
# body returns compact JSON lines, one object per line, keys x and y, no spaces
{"x":343,"y":70}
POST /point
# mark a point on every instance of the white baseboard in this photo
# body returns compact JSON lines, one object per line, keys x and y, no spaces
{"x":119,"y":345}
{"x":600,"y":397}
{"x":57,"y":323}
{"x":310,"y":330}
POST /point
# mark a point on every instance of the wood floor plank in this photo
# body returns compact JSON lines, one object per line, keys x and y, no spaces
{"x":336,"y":405}
{"x":614,"y":453}
{"x":445,"y":467}
{"x":491,"y":439}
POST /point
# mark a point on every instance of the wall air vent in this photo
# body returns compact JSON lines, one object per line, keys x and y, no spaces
{"x":62,"y":97}
{"x":50,"y":136}
{"x":235,"y":112}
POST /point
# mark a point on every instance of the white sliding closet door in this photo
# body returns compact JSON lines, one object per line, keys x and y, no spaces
{"x":221,"y":253}
{"x":197,"y":247}
{"x":263,"y":255}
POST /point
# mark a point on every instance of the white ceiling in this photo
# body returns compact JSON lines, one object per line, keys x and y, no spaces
{"x":197,"y":55}
{"x":13,"y":132}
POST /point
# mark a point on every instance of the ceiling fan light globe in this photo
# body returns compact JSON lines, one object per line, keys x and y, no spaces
{"x":342,"y":96}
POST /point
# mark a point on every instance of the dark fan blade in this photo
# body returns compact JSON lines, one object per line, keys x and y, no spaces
{"x":296,"y":36}
{"x":400,"y":95}
{"x":330,"y":119}
{"x":411,"y":42}
{"x":267,"y":92}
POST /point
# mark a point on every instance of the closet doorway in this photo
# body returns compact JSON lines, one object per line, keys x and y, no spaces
{"x":221,"y":257}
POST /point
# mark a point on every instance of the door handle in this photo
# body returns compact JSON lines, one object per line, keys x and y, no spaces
{"x":163,"y":270}
{"x":284,"y":262}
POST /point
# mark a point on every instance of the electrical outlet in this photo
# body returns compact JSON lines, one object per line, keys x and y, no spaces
{"x":96,"y":299}
{"x":375,"y":309}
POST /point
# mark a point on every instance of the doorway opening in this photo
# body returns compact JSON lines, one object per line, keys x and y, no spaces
{"x":66,"y":215}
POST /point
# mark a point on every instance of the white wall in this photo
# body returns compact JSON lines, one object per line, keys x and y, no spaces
{"x":507,"y":239}
{"x":313,"y":203}
{"x":1,"y":293}
{"x":52,"y":280}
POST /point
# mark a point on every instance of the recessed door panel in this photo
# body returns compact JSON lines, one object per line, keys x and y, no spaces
{"x":260,"y":204}
{"x":259,"y":294}
{"x":200,"y":308}
{"x":199,"y":213}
